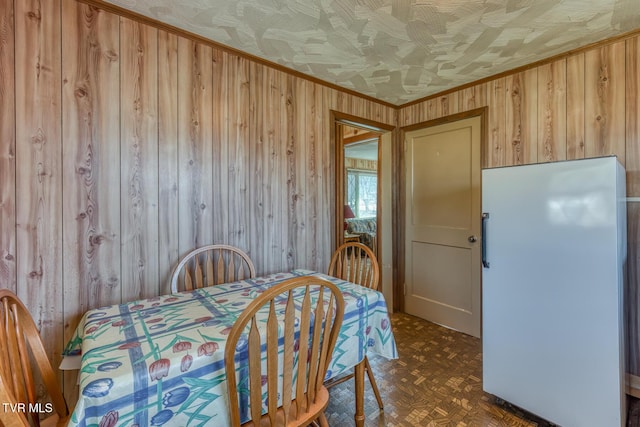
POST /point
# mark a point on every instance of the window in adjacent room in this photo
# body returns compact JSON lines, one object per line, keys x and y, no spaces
{"x":362,"y":192}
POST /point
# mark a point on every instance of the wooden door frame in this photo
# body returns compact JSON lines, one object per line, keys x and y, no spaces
{"x":400,"y":191}
{"x":338,"y":118}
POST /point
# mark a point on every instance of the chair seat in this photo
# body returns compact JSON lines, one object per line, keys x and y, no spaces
{"x":322,"y":400}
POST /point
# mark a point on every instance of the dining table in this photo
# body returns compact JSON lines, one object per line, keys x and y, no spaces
{"x":160,"y":361}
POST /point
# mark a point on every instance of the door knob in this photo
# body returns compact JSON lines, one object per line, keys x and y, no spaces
{"x":472,"y":239}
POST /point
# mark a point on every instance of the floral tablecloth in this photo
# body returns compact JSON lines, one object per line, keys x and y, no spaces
{"x":160,"y":361}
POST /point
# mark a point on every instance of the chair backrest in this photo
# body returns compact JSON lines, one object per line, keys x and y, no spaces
{"x":310,"y":328}
{"x":211,"y":265}
{"x":22,"y":359}
{"x":355,"y":263}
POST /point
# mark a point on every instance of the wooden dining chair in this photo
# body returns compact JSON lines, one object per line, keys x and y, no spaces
{"x":22,"y":360}
{"x":211,"y":265}
{"x":308,"y":329}
{"x":356,"y":263}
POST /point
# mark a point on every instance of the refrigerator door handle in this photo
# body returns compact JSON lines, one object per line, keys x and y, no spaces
{"x":485,"y":217}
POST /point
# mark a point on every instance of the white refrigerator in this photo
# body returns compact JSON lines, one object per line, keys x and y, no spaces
{"x":554,"y":246}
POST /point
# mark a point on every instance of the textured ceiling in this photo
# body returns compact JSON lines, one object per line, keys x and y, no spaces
{"x":398,"y":50}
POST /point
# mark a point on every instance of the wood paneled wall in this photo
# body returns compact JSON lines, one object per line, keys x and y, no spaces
{"x":123,"y":146}
{"x":360,"y":164}
{"x":582,"y":105}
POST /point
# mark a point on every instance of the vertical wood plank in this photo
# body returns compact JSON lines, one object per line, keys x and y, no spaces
{"x":7,"y":148}
{"x":575,"y":107}
{"x":632,"y":154}
{"x":419,"y":112}
{"x":195,"y":147}
{"x":335,"y":98}
{"x":521,"y":117}
{"x":402,"y":116}
{"x":481,"y":95}
{"x":326,"y":153}
{"x":467,"y":99}
{"x":220,"y":144}
{"x":168,"y":253}
{"x":273,"y":196}
{"x":257,"y":159}
{"x":604,"y":101}
{"x":313,"y":183}
{"x":530,"y":114}
{"x":289,"y":126}
{"x":406,"y":114}
{"x":356,"y":105}
{"x":139,"y":160}
{"x":91,"y":159}
{"x":514,"y":94}
{"x":298,"y":161}
{"x":279,"y":210}
{"x":39,"y":177}
{"x":238,"y":147}
{"x":552,"y":109}
{"x":430,"y":110}
{"x":205,"y":125}
{"x":447,"y":105}
{"x":346,"y":103}
{"x":285,"y":222}
{"x":496,"y":153}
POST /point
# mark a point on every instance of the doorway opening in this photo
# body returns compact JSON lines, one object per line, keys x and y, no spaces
{"x":363,"y":190}
{"x":361,"y":186}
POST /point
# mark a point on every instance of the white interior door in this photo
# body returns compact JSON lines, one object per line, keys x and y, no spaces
{"x":443,"y":219}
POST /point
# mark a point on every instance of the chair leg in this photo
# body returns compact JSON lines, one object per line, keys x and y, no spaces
{"x":372,"y":380}
{"x":323,"y":420}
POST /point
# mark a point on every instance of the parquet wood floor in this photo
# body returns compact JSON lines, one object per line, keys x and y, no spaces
{"x":437,"y":381}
